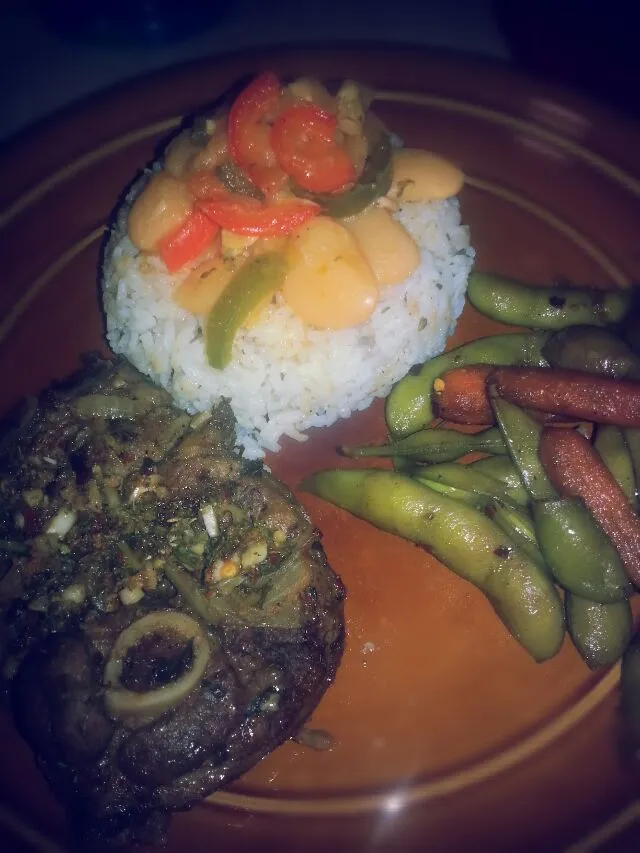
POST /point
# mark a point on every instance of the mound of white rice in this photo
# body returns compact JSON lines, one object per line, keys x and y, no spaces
{"x":286,"y":377}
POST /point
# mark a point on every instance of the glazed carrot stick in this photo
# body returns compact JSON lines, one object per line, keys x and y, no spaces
{"x":460,"y":395}
{"x":576,"y":470}
{"x":572,"y":393}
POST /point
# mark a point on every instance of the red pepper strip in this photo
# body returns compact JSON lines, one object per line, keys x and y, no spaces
{"x":249,"y":130}
{"x":188,"y":241}
{"x":303,"y":138}
{"x":249,"y":217}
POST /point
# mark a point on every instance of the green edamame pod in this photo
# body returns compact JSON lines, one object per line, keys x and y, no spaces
{"x":630,"y":690}
{"x":513,"y":521}
{"x":404,"y":466}
{"x":522,"y":436}
{"x":409,"y":406}
{"x":632,"y":438}
{"x":600,"y":632}
{"x":461,"y":495}
{"x":612,"y":447}
{"x":592,"y":349}
{"x":518,"y":526}
{"x":580,"y":556}
{"x":516,"y":304}
{"x":465,"y":477}
{"x":434,"y":445}
{"x":461,"y":537}
{"x":502,"y":469}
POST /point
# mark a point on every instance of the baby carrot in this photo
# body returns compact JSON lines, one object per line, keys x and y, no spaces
{"x":572,"y":393}
{"x":460,"y":395}
{"x":576,"y":470}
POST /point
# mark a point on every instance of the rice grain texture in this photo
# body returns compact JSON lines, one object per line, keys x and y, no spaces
{"x":284,"y":376}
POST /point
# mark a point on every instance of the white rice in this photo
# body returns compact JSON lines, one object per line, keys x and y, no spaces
{"x":284,"y":376}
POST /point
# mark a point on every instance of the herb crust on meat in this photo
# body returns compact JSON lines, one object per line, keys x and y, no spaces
{"x":168,"y":615}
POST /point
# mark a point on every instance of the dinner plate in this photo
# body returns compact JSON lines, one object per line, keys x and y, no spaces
{"x":446,"y":735}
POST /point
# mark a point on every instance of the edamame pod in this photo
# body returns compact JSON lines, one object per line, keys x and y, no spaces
{"x":518,"y":526}
{"x":461,"y":495}
{"x":404,"y":466}
{"x":461,"y":537}
{"x":552,"y":308}
{"x":522,"y":436}
{"x":409,"y":406}
{"x":580,"y":556}
{"x":592,"y":349}
{"x":434,"y":445}
{"x":612,"y":447}
{"x":600,"y":632}
{"x":472,"y":480}
{"x":512,"y":520}
{"x":632,"y":438}
{"x":502,"y":469}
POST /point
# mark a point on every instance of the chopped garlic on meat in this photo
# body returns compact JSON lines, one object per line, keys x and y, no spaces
{"x":253,"y":555}
{"x":131,"y":596}
{"x":62,"y":522}
{"x":210,"y":521}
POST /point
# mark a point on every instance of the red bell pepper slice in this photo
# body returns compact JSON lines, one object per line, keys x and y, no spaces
{"x":188,"y":241}
{"x":250,"y":217}
{"x":303,"y":138}
{"x":249,"y":128}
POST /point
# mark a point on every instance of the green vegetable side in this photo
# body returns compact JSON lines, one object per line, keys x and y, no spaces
{"x":409,"y":406}
{"x":522,"y":594}
{"x":461,"y":510}
{"x":554,"y":308}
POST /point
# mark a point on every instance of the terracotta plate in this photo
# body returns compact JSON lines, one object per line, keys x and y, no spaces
{"x":446,"y":734}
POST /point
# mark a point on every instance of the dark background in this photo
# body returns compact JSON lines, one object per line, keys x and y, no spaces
{"x":591,"y":46}
{"x":53,"y":52}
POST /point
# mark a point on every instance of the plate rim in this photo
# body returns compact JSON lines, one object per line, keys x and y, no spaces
{"x":576,"y":712}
